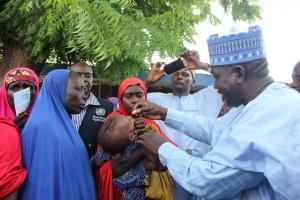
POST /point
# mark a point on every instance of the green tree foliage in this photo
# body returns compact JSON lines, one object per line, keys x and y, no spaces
{"x":116,"y":36}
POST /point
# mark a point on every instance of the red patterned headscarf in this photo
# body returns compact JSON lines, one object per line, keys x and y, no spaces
{"x":19,"y":75}
{"x":16,"y":74}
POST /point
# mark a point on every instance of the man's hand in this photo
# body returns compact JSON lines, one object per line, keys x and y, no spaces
{"x":150,"y":161}
{"x":149,"y":110}
{"x":155,"y":73}
{"x":151,"y":141}
{"x":192,"y":61}
{"x":149,"y":155}
{"x":20,"y":120}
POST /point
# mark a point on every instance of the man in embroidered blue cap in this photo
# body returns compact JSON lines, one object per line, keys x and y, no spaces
{"x":253,"y":145}
{"x":236,"y":48}
{"x":239,"y":58}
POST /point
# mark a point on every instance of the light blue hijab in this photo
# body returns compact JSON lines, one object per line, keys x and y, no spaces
{"x":53,"y":152}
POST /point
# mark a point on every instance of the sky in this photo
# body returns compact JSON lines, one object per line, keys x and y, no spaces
{"x":280,"y":25}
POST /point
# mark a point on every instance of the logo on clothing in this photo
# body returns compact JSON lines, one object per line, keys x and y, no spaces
{"x":100,"y":111}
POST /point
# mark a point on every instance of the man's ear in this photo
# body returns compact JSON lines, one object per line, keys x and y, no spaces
{"x":193,"y":86}
{"x":241,"y":73}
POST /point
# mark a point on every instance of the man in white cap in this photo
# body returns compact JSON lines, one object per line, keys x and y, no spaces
{"x":206,"y":102}
{"x":253,"y":146}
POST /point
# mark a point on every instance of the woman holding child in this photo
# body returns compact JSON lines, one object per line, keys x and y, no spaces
{"x":128,"y":169}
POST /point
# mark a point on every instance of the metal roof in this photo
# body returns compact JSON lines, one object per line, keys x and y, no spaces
{"x":201,"y":79}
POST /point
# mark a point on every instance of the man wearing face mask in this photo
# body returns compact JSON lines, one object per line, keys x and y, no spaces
{"x":89,"y":121}
{"x":253,"y":145}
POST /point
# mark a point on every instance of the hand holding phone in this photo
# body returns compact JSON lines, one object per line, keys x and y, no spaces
{"x":193,"y":62}
{"x":156,"y":73}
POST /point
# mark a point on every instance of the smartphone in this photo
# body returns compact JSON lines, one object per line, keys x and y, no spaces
{"x":174,"y":66}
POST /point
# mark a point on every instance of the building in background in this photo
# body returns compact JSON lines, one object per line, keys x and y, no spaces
{"x":105,"y":88}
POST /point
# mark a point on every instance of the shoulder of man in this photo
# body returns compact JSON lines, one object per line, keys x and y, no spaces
{"x":208,"y":91}
{"x":153,"y":96}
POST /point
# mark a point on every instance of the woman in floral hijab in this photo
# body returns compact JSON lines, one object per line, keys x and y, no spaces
{"x":15,"y":80}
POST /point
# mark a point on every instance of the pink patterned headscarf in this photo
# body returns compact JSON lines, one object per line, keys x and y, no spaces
{"x":16,"y":74}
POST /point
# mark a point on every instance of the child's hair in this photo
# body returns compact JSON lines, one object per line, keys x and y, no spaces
{"x":112,"y":137}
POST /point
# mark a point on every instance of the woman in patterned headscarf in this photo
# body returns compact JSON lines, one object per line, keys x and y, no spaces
{"x":15,"y":80}
{"x":12,"y":172}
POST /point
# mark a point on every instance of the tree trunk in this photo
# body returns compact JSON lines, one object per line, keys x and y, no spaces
{"x":14,"y":55}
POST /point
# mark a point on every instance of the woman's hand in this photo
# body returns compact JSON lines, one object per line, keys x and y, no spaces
{"x":20,"y":120}
{"x":98,"y":163}
{"x":139,"y":124}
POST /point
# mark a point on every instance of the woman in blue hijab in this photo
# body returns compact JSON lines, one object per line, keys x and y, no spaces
{"x":53,"y":152}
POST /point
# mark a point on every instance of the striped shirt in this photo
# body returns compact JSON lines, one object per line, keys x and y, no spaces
{"x":77,"y":118}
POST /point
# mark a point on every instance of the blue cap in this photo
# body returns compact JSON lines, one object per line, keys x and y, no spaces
{"x":236,"y":48}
